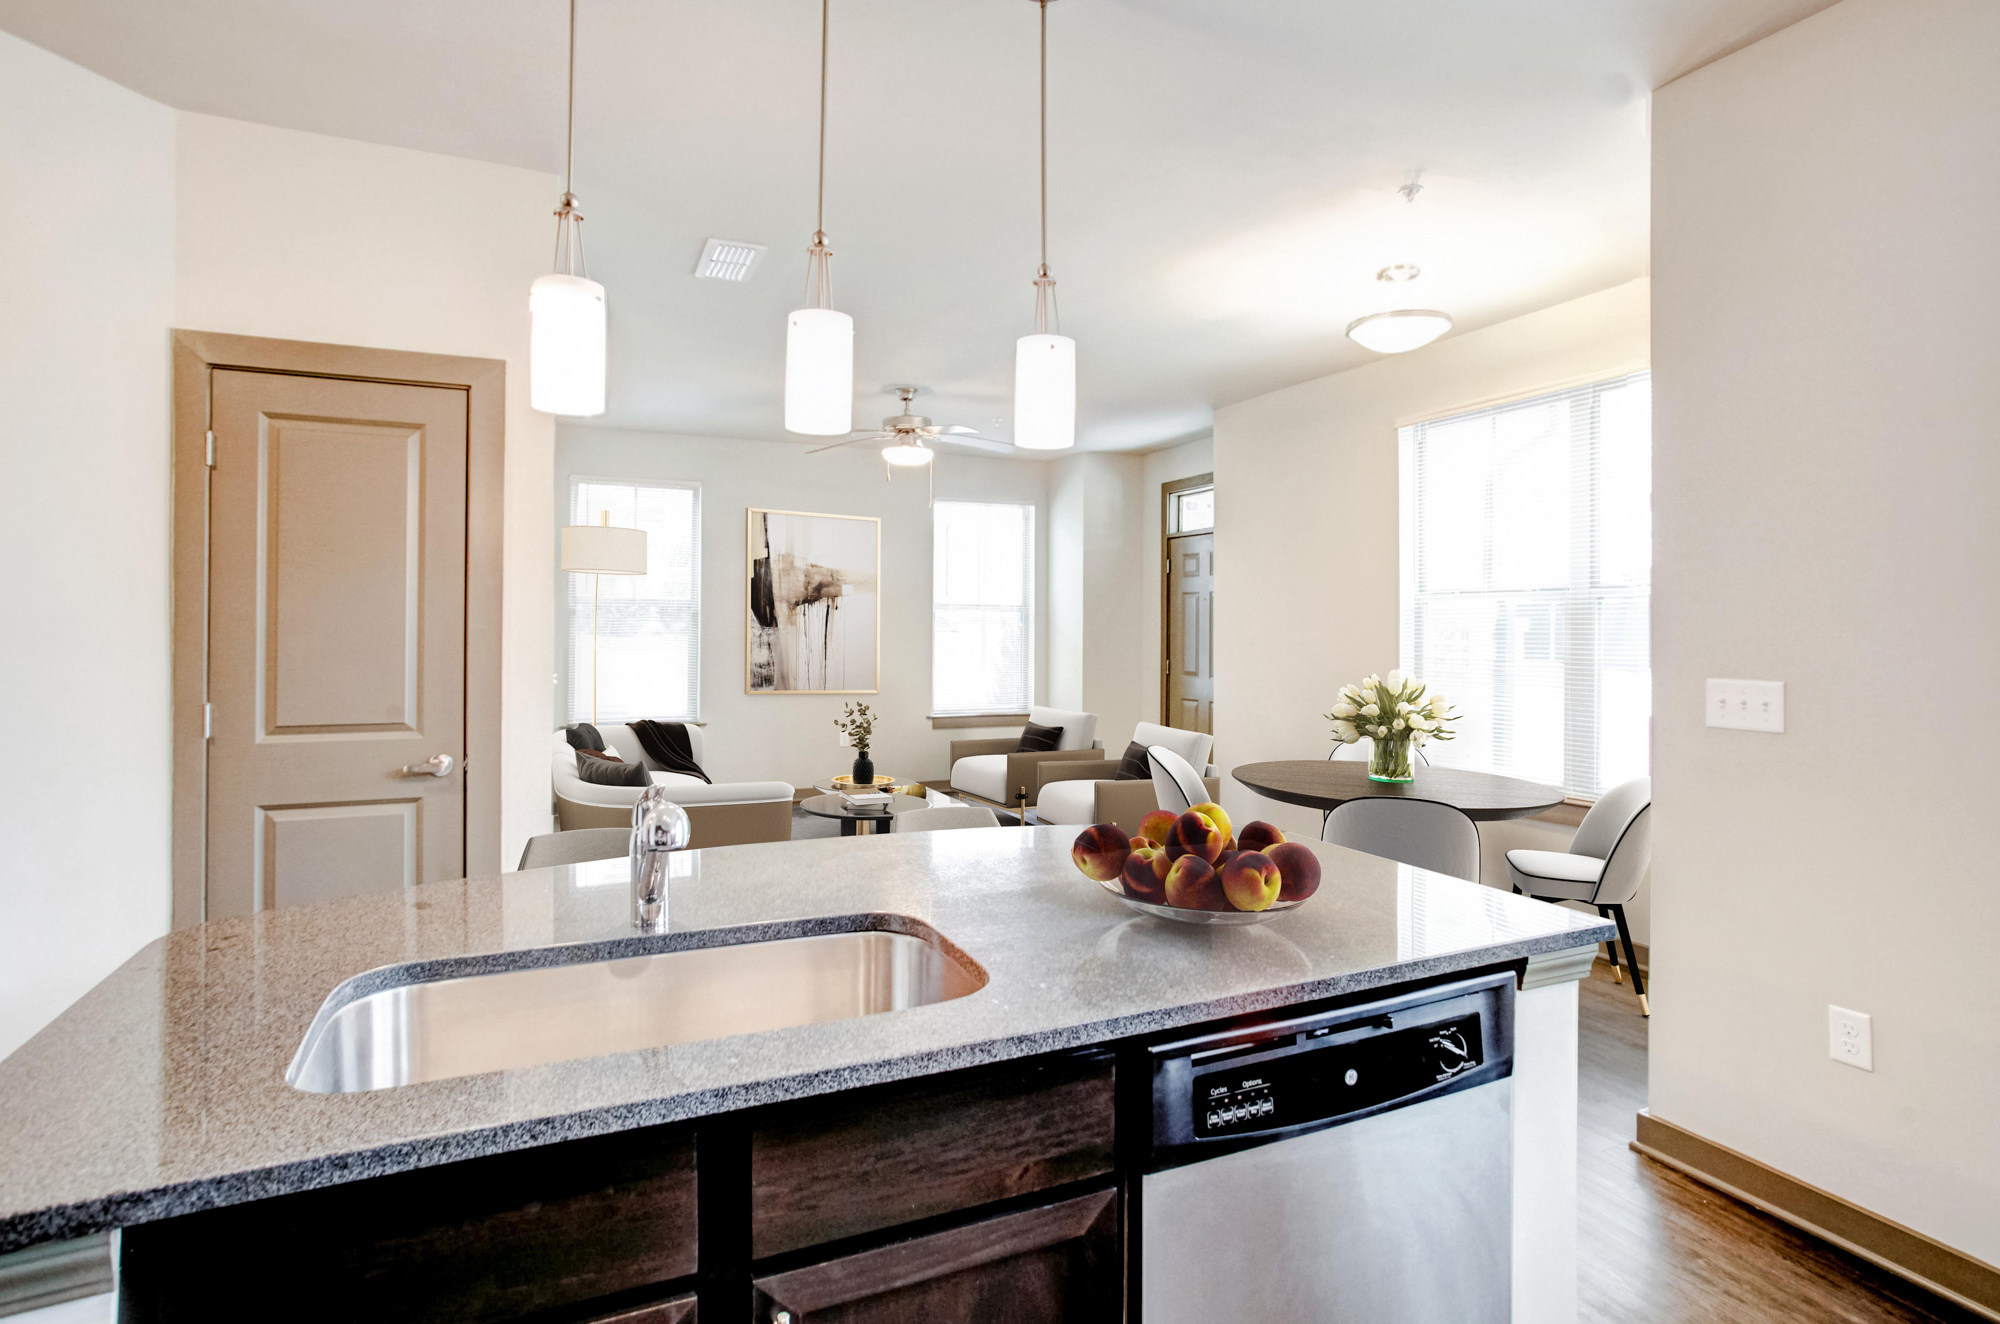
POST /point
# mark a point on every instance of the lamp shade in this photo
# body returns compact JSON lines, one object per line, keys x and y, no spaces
{"x":600,"y":549}
{"x":819,"y":373}
{"x":566,"y":345}
{"x":907,"y":457}
{"x":1398,"y":332}
{"x":1044,"y":392}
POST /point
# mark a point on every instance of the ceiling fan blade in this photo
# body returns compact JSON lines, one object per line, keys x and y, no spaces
{"x":972,"y":441}
{"x":865,"y":436}
{"x":956,"y":429}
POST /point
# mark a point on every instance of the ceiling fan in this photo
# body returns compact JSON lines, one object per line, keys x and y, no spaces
{"x":911,"y":436}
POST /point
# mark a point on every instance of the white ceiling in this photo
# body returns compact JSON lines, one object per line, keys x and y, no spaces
{"x":1223,"y":176}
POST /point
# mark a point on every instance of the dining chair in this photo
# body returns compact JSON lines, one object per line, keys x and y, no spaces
{"x":944,"y":816}
{"x":1603,"y":867}
{"x":1422,"y":833}
{"x":1176,"y":784}
{"x":577,"y":846}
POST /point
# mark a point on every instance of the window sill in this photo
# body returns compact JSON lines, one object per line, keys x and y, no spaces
{"x":973,"y":721}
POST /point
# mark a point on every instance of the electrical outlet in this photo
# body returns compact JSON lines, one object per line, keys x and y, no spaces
{"x":1747,"y":705}
{"x":1850,"y":1037}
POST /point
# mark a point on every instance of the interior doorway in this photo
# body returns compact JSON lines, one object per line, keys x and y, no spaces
{"x":336,"y":622}
{"x":1187,"y":608}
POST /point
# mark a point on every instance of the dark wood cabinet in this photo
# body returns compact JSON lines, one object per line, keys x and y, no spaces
{"x":1052,"y":1264}
{"x":678,"y":1310}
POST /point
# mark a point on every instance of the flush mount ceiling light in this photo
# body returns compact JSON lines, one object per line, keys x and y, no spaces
{"x":727,"y":259}
{"x":1398,"y":332}
{"x":566,"y":308}
{"x":819,"y":342}
{"x":1045,"y":362}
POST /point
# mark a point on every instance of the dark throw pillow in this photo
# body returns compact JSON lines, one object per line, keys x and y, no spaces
{"x":1134,"y":766}
{"x":1038,"y":739}
{"x":582,"y":735}
{"x":610,"y":772}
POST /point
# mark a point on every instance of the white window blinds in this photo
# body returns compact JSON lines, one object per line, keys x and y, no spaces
{"x":1526,"y":579}
{"x":982,"y":608}
{"x":648,"y":626}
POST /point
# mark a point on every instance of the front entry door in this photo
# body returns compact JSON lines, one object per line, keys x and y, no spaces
{"x":337,"y":556}
{"x":1190,"y":647}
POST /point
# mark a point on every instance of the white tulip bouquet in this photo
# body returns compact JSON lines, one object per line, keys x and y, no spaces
{"x":1398,"y":713}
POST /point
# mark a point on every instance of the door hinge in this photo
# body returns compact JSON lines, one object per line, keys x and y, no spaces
{"x":211,"y":450}
{"x":208,"y":721}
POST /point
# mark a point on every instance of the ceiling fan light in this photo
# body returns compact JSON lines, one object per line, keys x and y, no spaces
{"x":1398,"y":332}
{"x":819,"y":373}
{"x":566,"y":345}
{"x":908,"y":457}
{"x":1044,"y":392}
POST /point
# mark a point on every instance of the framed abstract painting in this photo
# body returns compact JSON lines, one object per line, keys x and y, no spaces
{"x":815,"y":609}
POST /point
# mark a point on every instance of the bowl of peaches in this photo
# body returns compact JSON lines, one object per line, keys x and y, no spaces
{"x":1191,"y":867}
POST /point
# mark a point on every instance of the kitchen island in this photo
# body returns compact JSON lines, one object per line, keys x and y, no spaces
{"x":805,"y":1164}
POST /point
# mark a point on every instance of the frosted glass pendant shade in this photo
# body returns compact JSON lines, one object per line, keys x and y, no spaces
{"x":819,"y":373}
{"x":1044,"y":392}
{"x":1398,"y":332}
{"x":603,"y":549}
{"x":907,"y":457}
{"x":566,"y":345}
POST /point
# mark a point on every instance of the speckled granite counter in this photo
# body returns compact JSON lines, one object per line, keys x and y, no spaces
{"x":162,"y":1090}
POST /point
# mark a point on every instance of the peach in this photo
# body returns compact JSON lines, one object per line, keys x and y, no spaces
{"x":1193,"y":884}
{"x":1217,"y":815}
{"x":1259,"y":836}
{"x":1195,"y":833}
{"x":1251,"y":881}
{"x":1100,"y":851}
{"x":1145,"y":874}
{"x":1298,"y":867}
{"x":1158,"y":825}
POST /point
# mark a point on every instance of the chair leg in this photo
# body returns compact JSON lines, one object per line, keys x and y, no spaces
{"x":1611,"y":951}
{"x":1631,"y":958}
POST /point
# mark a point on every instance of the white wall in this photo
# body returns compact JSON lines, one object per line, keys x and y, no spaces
{"x":86,"y":219}
{"x":1307,"y":533}
{"x":1101,"y":659}
{"x":1827,"y":465}
{"x":305,"y":237}
{"x":791,"y":736}
{"x":1187,"y":460}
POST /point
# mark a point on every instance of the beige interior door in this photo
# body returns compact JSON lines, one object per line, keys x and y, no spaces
{"x":1190,"y":633}
{"x":337,"y":554}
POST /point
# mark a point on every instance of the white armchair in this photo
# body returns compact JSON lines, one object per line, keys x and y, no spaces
{"x":721,"y":814}
{"x":1088,"y":792}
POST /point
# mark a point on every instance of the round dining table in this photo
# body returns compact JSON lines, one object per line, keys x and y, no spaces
{"x":1324,"y":783}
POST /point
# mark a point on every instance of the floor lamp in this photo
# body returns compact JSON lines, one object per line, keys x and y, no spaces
{"x":598,"y":550}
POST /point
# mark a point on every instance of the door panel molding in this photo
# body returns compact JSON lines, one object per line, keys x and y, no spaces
{"x":1162,"y":673}
{"x":196,"y":354}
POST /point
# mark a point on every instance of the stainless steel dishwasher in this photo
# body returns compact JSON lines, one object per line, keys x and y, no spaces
{"x":1353,"y":1165}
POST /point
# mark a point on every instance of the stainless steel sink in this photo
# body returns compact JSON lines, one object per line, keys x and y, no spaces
{"x":439,"y":1028}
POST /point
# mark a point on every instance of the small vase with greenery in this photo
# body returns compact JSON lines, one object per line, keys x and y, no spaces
{"x":857,"y":727}
{"x":1398,"y":714}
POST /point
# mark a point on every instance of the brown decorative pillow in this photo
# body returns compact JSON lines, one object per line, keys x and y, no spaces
{"x":610,"y":772}
{"x":1134,"y":766}
{"x":1038,"y":739}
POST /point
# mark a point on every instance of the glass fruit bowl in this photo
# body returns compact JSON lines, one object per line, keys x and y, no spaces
{"x":1276,"y":909}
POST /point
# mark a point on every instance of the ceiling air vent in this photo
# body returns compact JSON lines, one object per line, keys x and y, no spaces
{"x":727,"y":259}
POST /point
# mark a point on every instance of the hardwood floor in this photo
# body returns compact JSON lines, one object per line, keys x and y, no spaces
{"x":1655,"y":1247}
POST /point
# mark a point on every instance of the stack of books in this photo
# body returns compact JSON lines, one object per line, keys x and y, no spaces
{"x":866,"y":797}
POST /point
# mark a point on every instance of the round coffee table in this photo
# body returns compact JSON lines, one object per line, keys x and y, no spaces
{"x":860,"y":820}
{"x":1325,"y":783}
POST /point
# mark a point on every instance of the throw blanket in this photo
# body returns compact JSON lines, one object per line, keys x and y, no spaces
{"x":666,"y":743}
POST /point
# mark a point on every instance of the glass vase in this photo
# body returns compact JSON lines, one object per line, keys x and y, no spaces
{"x":1391,"y":761}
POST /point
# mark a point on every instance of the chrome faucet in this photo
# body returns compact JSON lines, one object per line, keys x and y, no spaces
{"x":659,"y":828}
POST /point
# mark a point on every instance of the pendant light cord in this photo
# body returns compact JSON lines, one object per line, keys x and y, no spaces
{"x":819,"y":273}
{"x":569,"y":221}
{"x":1045,"y":285}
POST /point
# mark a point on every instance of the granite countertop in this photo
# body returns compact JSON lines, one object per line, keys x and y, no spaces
{"x":162,"y":1090}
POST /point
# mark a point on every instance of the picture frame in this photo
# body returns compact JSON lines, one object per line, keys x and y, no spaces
{"x":812,"y":603}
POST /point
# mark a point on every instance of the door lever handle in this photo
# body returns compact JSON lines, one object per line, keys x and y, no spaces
{"x":437,"y":765}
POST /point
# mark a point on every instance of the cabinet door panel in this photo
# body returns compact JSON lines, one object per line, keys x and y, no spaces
{"x":1055,"y":1264}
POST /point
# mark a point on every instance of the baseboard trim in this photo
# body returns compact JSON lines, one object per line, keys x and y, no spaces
{"x":1930,"y":1264}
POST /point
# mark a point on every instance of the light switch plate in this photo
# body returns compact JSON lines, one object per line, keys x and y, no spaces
{"x":1747,"y":705}
{"x":1850,"y":1037}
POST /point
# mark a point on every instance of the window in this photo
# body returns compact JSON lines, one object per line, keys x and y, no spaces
{"x":982,"y":608}
{"x":1526,"y":579}
{"x":1194,"y":510}
{"x":648,"y":626}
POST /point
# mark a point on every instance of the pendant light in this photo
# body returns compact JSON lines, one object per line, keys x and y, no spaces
{"x":566,"y":309}
{"x":819,"y":342}
{"x":1045,"y":363}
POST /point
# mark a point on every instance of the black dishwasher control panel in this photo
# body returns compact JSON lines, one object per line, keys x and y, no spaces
{"x":1217,"y":1091}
